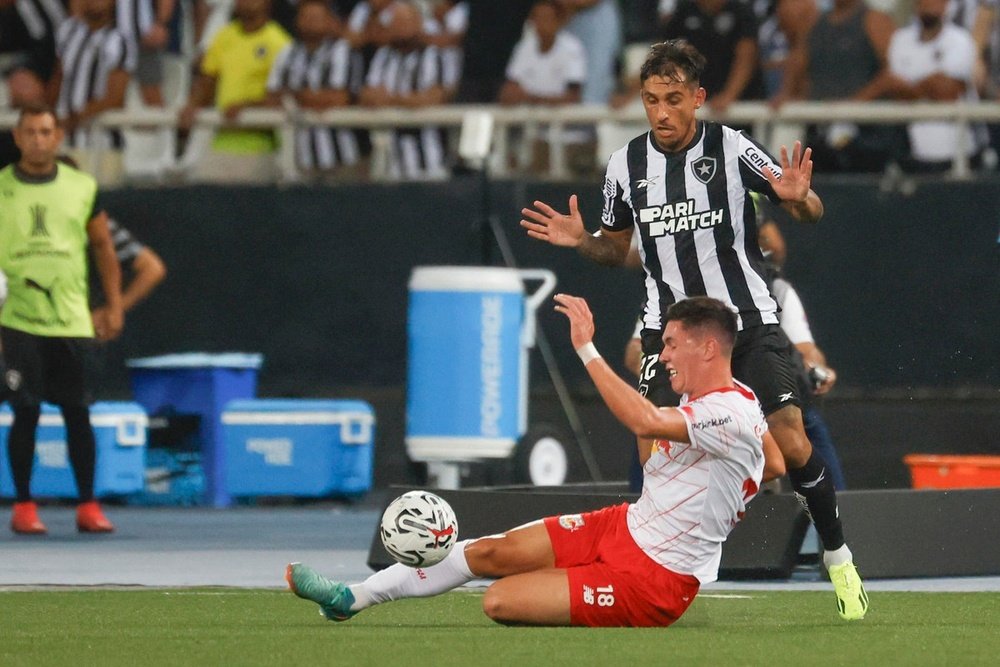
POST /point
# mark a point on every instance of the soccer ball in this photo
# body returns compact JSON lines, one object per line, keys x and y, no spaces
{"x":419,"y":529}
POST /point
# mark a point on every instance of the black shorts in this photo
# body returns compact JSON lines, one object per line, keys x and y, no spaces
{"x":44,"y":368}
{"x":761,"y":360}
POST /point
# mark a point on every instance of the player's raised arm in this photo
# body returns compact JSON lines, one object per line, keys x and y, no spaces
{"x":793,"y":186}
{"x":560,"y":229}
{"x":628,"y":405}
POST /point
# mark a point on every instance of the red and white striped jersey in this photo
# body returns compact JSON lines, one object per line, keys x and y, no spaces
{"x":694,"y":493}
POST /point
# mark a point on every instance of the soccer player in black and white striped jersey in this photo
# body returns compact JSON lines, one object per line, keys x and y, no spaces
{"x":95,"y":61}
{"x":686,"y":187}
{"x":317,"y":71}
{"x":408,"y":74}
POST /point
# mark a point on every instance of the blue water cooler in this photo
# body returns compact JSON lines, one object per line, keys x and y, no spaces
{"x":470,"y":330}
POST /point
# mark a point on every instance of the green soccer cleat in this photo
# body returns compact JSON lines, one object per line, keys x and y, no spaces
{"x":852,"y":599}
{"x":334,"y":598}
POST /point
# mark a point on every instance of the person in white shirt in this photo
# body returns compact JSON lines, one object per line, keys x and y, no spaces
{"x":934,"y":60}
{"x":548,"y":67}
{"x":638,"y":564}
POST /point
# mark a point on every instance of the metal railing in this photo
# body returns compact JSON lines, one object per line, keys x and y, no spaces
{"x":769,"y":125}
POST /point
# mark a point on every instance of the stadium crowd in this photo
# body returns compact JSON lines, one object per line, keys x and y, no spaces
{"x":84,"y":56}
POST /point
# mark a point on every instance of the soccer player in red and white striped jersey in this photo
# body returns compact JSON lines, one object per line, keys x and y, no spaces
{"x":625,"y":565}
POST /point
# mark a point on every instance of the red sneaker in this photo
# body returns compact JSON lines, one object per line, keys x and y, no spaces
{"x":90,"y":518}
{"x":25,"y":519}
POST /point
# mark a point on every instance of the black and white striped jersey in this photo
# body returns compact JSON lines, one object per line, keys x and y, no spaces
{"x":127,"y":247}
{"x":417,"y":153}
{"x":134,"y":18}
{"x":695,"y":220}
{"x":28,"y":29}
{"x":88,"y":58}
{"x":40,"y":18}
{"x":329,"y":66}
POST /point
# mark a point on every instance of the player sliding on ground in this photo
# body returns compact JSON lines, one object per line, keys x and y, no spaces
{"x":637,"y":564}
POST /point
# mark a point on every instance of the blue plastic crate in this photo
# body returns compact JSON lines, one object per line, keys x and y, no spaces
{"x":120,"y":434}
{"x":302,"y":448}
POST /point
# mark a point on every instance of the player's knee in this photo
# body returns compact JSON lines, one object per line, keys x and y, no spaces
{"x":486,"y":556}
{"x":496,"y":605}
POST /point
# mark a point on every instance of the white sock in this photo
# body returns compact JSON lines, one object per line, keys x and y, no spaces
{"x":837,"y":557}
{"x":400,"y":581}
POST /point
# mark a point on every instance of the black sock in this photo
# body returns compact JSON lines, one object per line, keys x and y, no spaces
{"x":814,"y":489}
{"x":21,"y":449}
{"x":82,"y":448}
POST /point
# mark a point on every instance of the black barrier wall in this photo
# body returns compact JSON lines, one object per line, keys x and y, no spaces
{"x":902,"y":291}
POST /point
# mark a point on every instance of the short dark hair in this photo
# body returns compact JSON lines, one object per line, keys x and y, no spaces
{"x":674,"y":60}
{"x":37,"y":109}
{"x":703,"y":312}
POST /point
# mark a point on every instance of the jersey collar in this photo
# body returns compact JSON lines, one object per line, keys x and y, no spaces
{"x":738,"y":387}
{"x":33,"y":179}
{"x":698,"y":133}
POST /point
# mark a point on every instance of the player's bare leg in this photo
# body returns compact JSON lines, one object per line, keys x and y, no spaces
{"x":523,"y":549}
{"x":814,"y":489}
{"x":520,"y":550}
{"x":533,"y":598}
{"x":789,"y":431}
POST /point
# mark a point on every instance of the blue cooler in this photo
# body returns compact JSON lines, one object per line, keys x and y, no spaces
{"x":120,"y":434}
{"x":307,"y":448}
{"x":470,"y":329}
{"x":202,"y":384}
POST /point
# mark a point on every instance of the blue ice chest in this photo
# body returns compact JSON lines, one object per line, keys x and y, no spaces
{"x":307,"y":448}
{"x":202,"y":384}
{"x":469,"y":329}
{"x":120,"y":434}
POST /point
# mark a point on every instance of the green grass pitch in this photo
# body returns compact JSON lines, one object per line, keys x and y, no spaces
{"x":148,"y":627}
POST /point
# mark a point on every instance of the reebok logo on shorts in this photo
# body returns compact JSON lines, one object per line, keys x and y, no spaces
{"x":571,"y":522}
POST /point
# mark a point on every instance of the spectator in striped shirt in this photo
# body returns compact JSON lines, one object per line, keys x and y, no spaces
{"x":94,"y":65}
{"x":315,"y":71}
{"x":146,"y":23}
{"x":27,"y":42}
{"x":405,"y":73}
{"x":142,"y":271}
{"x":368,"y":24}
{"x":446,"y":30}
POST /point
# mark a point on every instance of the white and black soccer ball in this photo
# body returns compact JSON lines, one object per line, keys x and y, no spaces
{"x":419,"y":529}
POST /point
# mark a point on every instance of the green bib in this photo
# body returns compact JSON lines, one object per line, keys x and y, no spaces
{"x":43,"y":251}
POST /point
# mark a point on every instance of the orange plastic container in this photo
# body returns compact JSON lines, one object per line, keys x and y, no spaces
{"x":953,"y":472}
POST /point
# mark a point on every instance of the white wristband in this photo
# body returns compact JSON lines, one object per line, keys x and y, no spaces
{"x":588,"y":353}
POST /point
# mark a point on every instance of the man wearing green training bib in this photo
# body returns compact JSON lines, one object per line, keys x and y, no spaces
{"x":48,"y":220}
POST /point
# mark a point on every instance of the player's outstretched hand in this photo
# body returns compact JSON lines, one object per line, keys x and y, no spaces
{"x":581,"y":321}
{"x":796,"y":174}
{"x":548,"y":224}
